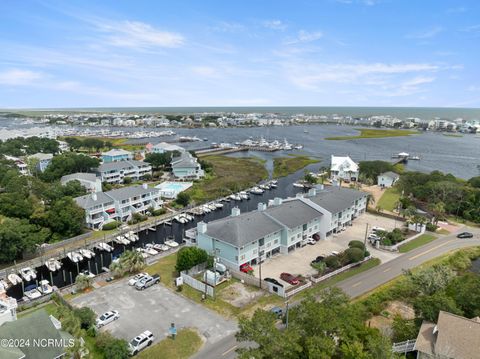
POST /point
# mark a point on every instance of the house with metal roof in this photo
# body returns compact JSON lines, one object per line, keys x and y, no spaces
{"x":453,"y":337}
{"x":163,"y":147}
{"x":118,"y":204}
{"x":89,"y":181}
{"x":115,"y":172}
{"x":387,"y":179}
{"x":343,"y":168}
{"x":37,"y":331}
{"x":115,"y":155}
{"x":186,"y":167}
{"x":255,"y":236}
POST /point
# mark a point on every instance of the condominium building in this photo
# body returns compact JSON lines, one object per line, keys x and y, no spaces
{"x":89,"y":181}
{"x":186,"y":167}
{"x":115,"y":172}
{"x":163,"y":147}
{"x":118,"y":204}
{"x":116,"y":155}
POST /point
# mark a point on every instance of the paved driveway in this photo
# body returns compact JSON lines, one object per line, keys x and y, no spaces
{"x":298,"y":261}
{"x":153,"y":309}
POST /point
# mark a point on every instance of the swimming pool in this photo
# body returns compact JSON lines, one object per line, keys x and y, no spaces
{"x":172,"y":189}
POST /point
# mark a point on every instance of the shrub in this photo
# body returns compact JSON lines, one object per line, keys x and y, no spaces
{"x":146,"y":177}
{"x":190,"y":256}
{"x":112,"y":347}
{"x":356,"y":244}
{"x":332,"y":262}
{"x":403,"y":329}
{"x":127,"y":180}
{"x":431,"y":227}
{"x":110,"y":225}
{"x":183,"y":199}
{"x":86,"y":316}
{"x":158,"y":212}
{"x":355,"y":255}
{"x":320,"y":266}
{"x":137,"y":218}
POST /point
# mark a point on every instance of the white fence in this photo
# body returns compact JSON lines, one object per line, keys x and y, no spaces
{"x":295,"y":290}
{"x":196,"y":284}
{"x":340,"y":270}
{"x":394,"y":248}
{"x":247,"y":278}
{"x":404,"y":347}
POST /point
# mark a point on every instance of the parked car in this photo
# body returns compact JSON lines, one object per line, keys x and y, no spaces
{"x":311,"y":241}
{"x":147,"y":282}
{"x":316,"y":236}
{"x":136,"y":278}
{"x":289,"y":278}
{"x":141,"y":342}
{"x":378,"y":229}
{"x":335,"y":253}
{"x":277,"y":311}
{"x":274,"y":281}
{"x":245,"y":268}
{"x":318,"y":259}
{"x":465,"y":235}
{"x":106,"y":318}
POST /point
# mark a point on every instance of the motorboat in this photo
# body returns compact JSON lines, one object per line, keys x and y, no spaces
{"x":53,"y":265}
{"x":75,"y":257}
{"x":142,"y":252}
{"x":150,"y":250}
{"x":243,"y":195}
{"x":274,"y":184}
{"x":104,"y":247}
{"x":132,"y":236}
{"x":122,"y":240}
{"x":161,"y":247}
{"x":206,"y":209}
{"x":87,"y":273}
{"x":264,"y":186}
{"x":188,"y":217}
{"x":171,"y":243}
{"x":218,"y":205}
{"x":212,"y":206}
{"x":28,"y":274}
{"x":4,"y":285}
{"x":44,"y":287}
{"x":299,"y":185}
{"x":256,"y":190}
{"x":14,"y":279}
{"x":87,"y":253}
{"x":31,"y":292}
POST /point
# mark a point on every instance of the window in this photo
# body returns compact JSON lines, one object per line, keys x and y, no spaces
{"x":275,"y":241}
{"x":298,"y":235}
{"x":304,"y":227}
{"x":316,"y":226}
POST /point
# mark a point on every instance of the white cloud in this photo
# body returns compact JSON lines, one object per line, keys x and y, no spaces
{"x":274,"y":25}
{"x":17,"y":77}
{"x":205,"y":71}
{"x":228,"y":26}
{"x":426,"y":34}
{"x":136,"y":34}
{"x":472,"y":28}
{"x":304,"y":37}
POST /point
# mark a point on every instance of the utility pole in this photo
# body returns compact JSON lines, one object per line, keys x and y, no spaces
{"x":365,"y":240}
{"x":286,"y":314}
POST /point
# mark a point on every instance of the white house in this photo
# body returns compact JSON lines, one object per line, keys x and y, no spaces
{"x":387,"y":179}
{"x":118,"y":204}
{"x":115,"y":172}
{"x":186,"y":167}
{"x":163,"y":147}
{"x":90,"y":181}
{"x":21,"y":165}
{"x":343,"y":168}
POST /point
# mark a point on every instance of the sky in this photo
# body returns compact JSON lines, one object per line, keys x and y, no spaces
{"x":110,"y":53}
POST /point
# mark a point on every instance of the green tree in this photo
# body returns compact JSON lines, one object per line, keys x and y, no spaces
{"x":403,"y":329}
{"x":86,"y":315}
{"x":68,"y":163}
{"x":129,"y":262}
{"x":432,"y":279}
{"x":187,"y":257}
{"x":183,"y":199}
{"x":83,"y":282}
{"x":111,"y":347}
{"x":465,"y":290}
{"x":427,"y":307}
{"x":355,"y":255}
{"x":372,"y":169}
{"x":66,"y":218}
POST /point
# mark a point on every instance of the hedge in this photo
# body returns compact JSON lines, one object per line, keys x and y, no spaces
{"x":110,"y":225}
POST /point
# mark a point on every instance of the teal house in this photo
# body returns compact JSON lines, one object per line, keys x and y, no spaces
{"x":116,"y":155}
{"x":186,"y":167}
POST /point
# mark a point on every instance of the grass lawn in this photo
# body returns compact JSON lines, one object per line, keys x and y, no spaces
{"x":452,"y":135}
{"x":314,"y":290}
{"x":374,"y":133}
{"x":229,"y":174}
{"x":417,"y":242}
{"x":186,"y":343}
{"x":283,"y":166}
{"x":389,"y":198}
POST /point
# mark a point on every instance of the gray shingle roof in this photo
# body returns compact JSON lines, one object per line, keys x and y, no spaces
{"x":34,"y":326}
{"x":121,"y":165}
{"x":120,"y":194}
{"x":243,"y":229}
{"x":116,"y":152}
{"x":79,"y":175}
{"x":336,"y":199}
{"x":87,"y":201}
{"x":186,"y":160}
{"x":293,"y":213}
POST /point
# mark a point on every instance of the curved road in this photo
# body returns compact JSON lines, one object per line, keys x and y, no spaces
{"x":366,"y":281}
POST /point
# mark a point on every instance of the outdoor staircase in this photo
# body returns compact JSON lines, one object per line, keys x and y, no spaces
{"x":404,"y":347}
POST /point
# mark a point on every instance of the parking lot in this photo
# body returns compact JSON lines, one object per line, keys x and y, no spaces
{"x":154,"y":309}
{"x":298,"y":261}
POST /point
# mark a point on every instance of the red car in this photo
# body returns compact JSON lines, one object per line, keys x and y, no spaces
{"x":245,"y":268}
{"x":289,"y":278}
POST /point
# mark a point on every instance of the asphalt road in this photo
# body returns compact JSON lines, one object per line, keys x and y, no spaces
{"x":364,"y":282}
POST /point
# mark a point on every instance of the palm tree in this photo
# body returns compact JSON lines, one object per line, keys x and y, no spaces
{"x":83,"y":282}
{"x":132,"y":261}
{"x":370,"y":200}
{"x":438,"y":210}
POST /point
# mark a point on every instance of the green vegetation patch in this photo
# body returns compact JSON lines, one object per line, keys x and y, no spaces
{"x":186,"y":343}
{"x":417,"y":242}
{"x":227,"y":175}
{"x":374,"y":133}
{"x":389,"y":199}
{"x":283,"y":166}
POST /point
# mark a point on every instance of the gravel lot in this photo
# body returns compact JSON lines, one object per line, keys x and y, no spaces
{"x":298,"y":261}
{"x":153,"y":309}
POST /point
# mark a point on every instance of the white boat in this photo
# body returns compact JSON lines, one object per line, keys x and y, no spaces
{"x":142,"y":251}
{"x":104,"y":247}
{"x":150,"y":250}
{"x":45,"y":287}
{"x":188,"y":217}
{"x":206,"y":209}
{"x":32,"y":292}
{"x":264,"y":186}
{"x":121,"y":240}
{"x":235,"y":197}
{"x":28,"y":274}
{"x":171,"y":243}
{"x":14,"y":279}
{"x":212,"y":207}
{"x":243,"y":195}
{"x":132,"y":236}
{"x":4,"y":285}
{"x":53,"y":265}
{"x":218,"y":205}
{"x":87,"y":273}
{"x":87,"y":253}
{"x":75,"y":257}
{"x":274,"y":184}
{"x":298,"y":184}
{"x":180,"y":219}
{"x":256,"y":190}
